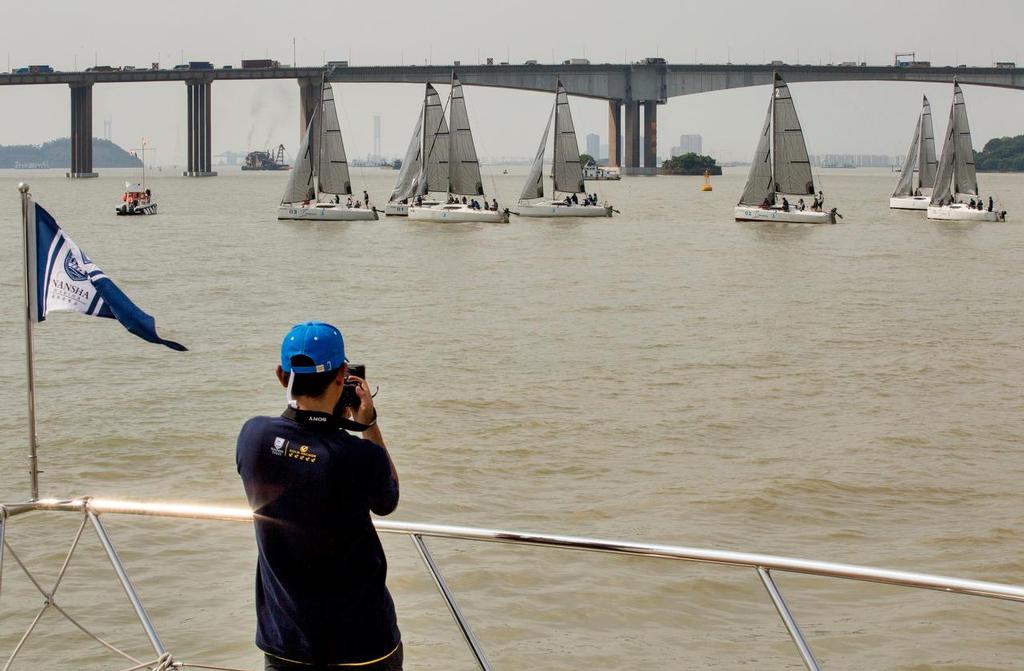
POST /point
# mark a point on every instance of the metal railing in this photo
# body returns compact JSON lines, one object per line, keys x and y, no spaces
{"x":763,"y":564}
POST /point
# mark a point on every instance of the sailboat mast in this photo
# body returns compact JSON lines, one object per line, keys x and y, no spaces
{"x":451,"y":137}
{"x":320,"y":138}
{"x":423,"y":134}
{"x":554,"y":153}
{"x":771,"y":130}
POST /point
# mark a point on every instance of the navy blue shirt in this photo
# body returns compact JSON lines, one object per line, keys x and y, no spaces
{"x":320,"y":592}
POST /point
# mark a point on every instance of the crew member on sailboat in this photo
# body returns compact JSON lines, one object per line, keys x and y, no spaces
{"x":780,"y":166}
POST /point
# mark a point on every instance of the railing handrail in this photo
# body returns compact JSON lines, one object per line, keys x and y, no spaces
{"x":580,"y":543}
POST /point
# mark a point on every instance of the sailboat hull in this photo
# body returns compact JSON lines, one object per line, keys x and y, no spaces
{"x":455,"y":214}
{"x":960,"y":212}
{"x":909,"y":202}
{"x":777,"y":216}
{"x":560,"y":209}
{"x":326,"y":212}
{"x":402,"y":209}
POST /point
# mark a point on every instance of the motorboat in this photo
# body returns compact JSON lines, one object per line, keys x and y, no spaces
{"x":136,"y":200}
{"x":781,"y":166}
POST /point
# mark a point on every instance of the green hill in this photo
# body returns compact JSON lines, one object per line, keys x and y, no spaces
{"x":57,"y":154}
{"x":1001,"y":154}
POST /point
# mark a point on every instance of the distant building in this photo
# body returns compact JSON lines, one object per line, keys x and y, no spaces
{"x":376,"y":136}
{"x":853,"y":160}
{"x":594,"y":145}
{"x":689,"y":144}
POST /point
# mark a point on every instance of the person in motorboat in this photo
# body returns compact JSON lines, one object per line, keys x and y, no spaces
{"x":321,"y":595}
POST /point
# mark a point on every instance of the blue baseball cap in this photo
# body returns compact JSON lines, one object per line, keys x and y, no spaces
{"x":319,"y":341}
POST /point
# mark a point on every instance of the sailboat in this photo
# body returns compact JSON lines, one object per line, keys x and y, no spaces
{"x":911,"y":194}
{"x":780,"y":166}
{"x":449,"y":164}
{"x":956,"y":178}
{"x":567,"y":173}
{"x":409,"y":175}
{"x":321,"y":169}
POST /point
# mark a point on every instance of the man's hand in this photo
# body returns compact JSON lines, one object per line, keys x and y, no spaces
{"x":364,"y":413}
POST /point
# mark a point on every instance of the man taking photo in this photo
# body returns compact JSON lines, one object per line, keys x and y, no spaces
{"x":321,"y":598}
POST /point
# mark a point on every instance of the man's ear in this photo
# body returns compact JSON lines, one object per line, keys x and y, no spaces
{"x":282,"y":377}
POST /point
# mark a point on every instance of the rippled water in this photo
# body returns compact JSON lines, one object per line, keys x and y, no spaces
{"x":850,"y":393}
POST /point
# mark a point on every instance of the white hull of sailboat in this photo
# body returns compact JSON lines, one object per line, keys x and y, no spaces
{"x":326,"y":212}
{"x":776,"y":215}
{"x":960,"y":212}
{"x":457,"y":214}
{"x":402,"y":209}
{"x":558,"y":208}
{"x":909,"y":202}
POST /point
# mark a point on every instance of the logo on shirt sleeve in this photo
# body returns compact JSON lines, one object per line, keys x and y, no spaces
{"x":279,"y":445}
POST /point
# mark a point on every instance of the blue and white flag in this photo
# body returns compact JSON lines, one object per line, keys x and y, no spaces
{"x":64,"y":279}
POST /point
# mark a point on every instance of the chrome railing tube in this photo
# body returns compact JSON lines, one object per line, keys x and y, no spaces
{"x":788,"y":620}
{"x":453,"y":607}
{"x":126,"y":583}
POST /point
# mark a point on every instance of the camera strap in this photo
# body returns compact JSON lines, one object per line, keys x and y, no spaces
{"x":326,"y":420}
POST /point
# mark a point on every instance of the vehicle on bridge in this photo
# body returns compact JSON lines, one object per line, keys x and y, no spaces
{"x":200,"y":65}
{"x":956,"y":180}
{"x":576,"y":61}
{"x":34,"y":70}
{"x":260,"y":63}
{"x":567,"y":173}
{"x":103,"y":68}
{"x":781,"y":167}
{"x":321,"y":169}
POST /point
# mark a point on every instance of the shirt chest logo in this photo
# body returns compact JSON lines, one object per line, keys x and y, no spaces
{"x":277,"y":449}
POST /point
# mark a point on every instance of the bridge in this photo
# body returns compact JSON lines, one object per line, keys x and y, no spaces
{"x":631,"y":90}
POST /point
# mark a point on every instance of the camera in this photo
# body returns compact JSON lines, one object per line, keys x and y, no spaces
{"x":349,"y":398}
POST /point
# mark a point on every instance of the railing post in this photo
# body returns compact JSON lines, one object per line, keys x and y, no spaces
{"x":122,"y":576}
{"x":787,"y":619}
{"x":453,"y":607}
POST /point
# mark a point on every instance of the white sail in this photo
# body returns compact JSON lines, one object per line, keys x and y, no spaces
{"x":405,"y":187}
{"x":905,"y":184}
{"x":463,"y":166}
{"x":534,"y":187}
{"x":964,"y":176}
{"x":568,"y":173}
{"x":927,"y":163}
{"x":956,"y":174}
{"x":791,"y":166}
{"x":332,"y":172}
{"x":434,"y":170}
{"x":760,"y":184}
{"x":301,"y":184}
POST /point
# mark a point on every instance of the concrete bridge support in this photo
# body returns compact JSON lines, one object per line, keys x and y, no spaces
{"x":632,"y":144}
{"x":650,"y":137}
{"x":614,"y":133}
{"x":199,"y":130}
{"x":81,"y":132}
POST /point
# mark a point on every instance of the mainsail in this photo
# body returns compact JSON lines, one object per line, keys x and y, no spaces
{"x":463,"y":167}
{"x":434,"y":170}
{"x":791,"y":167}
{"x":406,"y":185}
{"x":332,"y":171}
{"x":927,"y":163}
{"x":301,"y":184}
{"x":534,"y":187}
{"x":920,"y":156}
{"x":956,"y":174}
{"x":760,"y":184}
{"x":568,"y":173}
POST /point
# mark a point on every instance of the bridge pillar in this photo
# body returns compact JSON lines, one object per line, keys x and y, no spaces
{"x":632,"y":144}
{"x":651,"y":137}
{"x":200,"y":138}
{"x":81,"y":132}
{"x":614,"y":133}
{"x":309,"y":98}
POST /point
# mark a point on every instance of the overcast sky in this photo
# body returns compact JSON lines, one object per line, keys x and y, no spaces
{"x":837,"y":117}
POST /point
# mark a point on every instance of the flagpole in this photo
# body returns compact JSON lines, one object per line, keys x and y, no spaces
{"x":33,"y":461}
